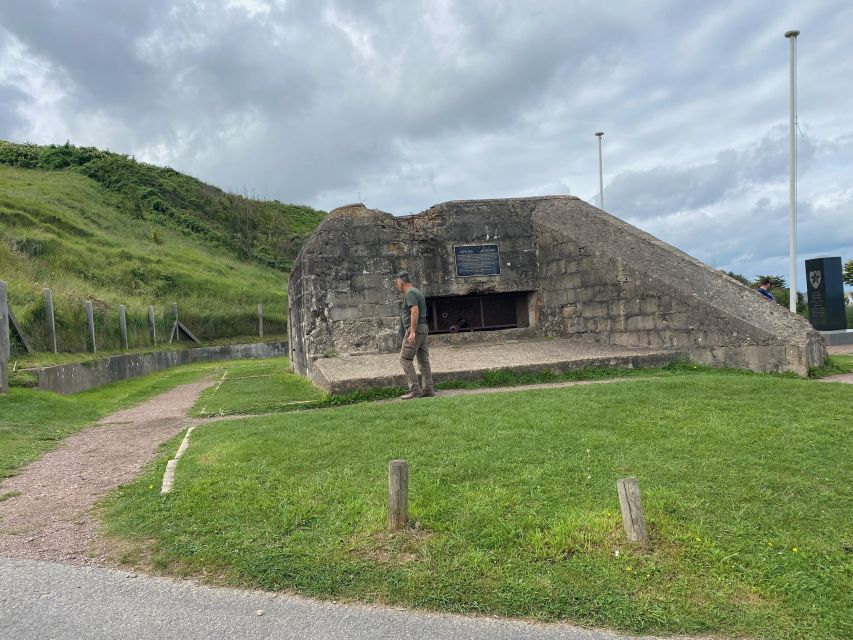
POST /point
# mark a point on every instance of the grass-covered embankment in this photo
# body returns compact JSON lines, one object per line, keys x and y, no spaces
{"x":745,"y":481}
{"x":93,"y":225}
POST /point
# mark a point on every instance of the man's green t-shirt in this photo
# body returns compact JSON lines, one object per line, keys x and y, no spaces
{"x":413,"y":297}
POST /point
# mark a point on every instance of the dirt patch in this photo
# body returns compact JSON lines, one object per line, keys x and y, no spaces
{"x":51,"y":517}
{"x":842,"y":377}
{"x":840,"y":349}
{"x":399,"y":547}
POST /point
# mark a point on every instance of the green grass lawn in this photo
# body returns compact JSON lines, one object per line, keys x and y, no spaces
{"x":745,"y":482}
{"x":259,"y":387}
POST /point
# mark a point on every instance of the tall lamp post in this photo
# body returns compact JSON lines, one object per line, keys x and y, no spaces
{"x":598,"y":135}
{"x":792,"y":168}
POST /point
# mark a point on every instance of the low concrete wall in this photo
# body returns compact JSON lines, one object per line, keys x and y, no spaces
{"x":837,"y":338}
{"x":73,"y":378}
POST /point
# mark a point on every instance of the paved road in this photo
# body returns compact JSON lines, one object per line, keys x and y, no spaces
{"x":63,"y":602}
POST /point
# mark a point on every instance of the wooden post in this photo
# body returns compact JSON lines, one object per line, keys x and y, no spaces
{"x":398,"y":494}
{"x":175,"y":334}
{"x":5,"y":347}
{"x":51,"y":320}
{"x":632,"y":510}
{"x":90,"y":326}
{"x":122,"y":323}
{"x":261,"y":320}
{"x":152,"y":326}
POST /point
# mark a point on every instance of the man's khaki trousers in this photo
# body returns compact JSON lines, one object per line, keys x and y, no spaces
{"x":420,"y":351}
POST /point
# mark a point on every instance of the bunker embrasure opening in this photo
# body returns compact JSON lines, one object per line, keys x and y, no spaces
{"x":483,"y":312}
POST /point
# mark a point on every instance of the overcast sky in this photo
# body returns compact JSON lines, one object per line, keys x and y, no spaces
{"x":407,"y":104}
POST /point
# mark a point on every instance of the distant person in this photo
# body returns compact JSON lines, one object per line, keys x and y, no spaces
{"x":415,"y":331}
{"x":764,"y":290}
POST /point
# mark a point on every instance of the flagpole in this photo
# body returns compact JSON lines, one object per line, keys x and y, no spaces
{"x":792,"y":177}
{"x":600,"y":173}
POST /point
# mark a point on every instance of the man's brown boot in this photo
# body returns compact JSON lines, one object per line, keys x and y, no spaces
{"x":411,"y":395}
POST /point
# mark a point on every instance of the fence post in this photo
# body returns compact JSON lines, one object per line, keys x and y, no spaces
{"x":398,"y":494}
{"x":261,"y":320}
{"x":632,"y":510}
{"x":122,"y":323}
{"x":90,"y":325}
{"x":175,"y":335}
{"x":152,"y":326}
{"x":5,"y":347}
{"x":51,"y":320}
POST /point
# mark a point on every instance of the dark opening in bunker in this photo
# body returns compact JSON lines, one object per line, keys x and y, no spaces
{"x":486,"y":312}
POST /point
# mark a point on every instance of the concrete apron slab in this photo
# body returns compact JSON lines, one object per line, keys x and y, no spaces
{"x":344,"y":374}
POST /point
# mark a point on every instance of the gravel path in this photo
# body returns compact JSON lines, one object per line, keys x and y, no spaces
{"x":51,"y":519}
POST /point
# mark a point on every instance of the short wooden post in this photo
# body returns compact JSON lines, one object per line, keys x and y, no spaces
{"x":152,"y":326}
{"x":261,"y":320}
{"x":90,"y":326}
{"x":398,"y":494}
{"x":122,"y":323}
{"x":51,"y":320}
{"x":632,"y":510}
{"x":5,"y":347}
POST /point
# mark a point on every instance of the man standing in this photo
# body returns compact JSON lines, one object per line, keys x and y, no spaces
{"x":415,"y":330}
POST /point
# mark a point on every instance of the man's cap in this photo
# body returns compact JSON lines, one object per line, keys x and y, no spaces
{"x":403,"y":275}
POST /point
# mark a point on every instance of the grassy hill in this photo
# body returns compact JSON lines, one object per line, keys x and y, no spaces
{"x":94,"y":225}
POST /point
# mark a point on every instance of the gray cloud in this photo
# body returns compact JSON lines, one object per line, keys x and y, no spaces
{"x":731,"y":172}
{"x":410,"y":104}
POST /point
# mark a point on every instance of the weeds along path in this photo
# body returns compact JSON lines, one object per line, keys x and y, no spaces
{"x":47,"y":512}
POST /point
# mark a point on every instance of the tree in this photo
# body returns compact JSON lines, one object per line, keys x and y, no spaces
{"x":783,"y":297}
{"x":848,"y":273}
{"x":776,"y":282}
{"x":737,"y":276}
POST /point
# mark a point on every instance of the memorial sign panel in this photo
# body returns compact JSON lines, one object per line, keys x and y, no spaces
{"x":826,"y":294}
{"x":477,"y":260}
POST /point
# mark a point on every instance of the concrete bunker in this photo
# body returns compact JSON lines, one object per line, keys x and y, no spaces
{"x":529,"y":268}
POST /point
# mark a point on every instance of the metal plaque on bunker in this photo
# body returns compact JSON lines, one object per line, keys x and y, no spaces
{"x":477,"y":260}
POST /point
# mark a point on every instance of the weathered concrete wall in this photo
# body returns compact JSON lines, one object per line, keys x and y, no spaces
{"x":73,"y":378}
{"x":342,"y":298}
{"x":613,"y":283}
{"x":593,"y":277}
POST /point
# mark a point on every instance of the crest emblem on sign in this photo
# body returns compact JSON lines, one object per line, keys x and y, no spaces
{"x":814,"y":278}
